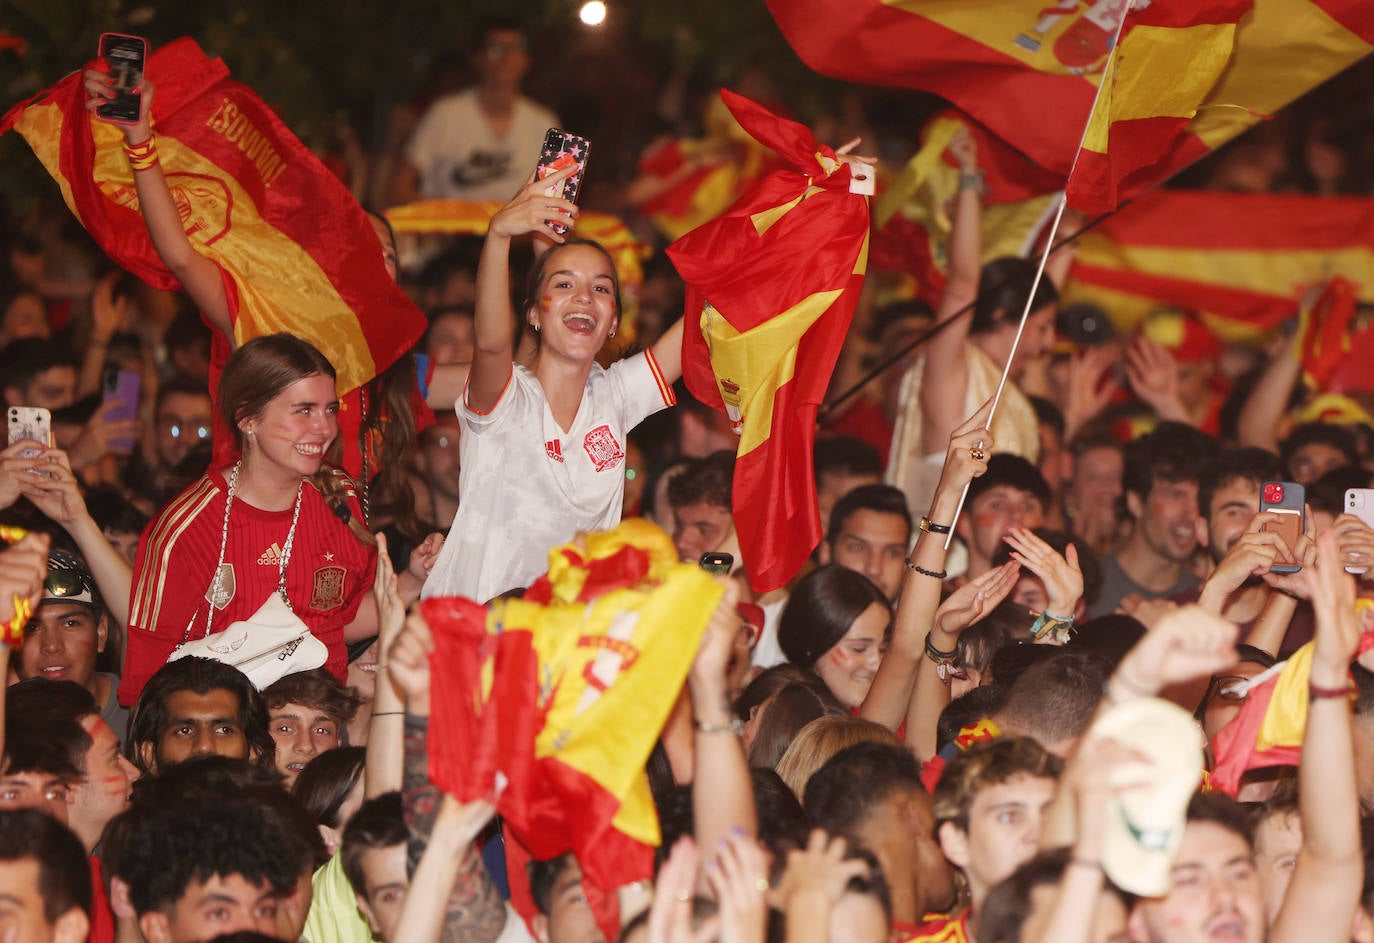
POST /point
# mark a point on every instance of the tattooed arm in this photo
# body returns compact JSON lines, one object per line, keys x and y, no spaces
{"x":475,"y":912}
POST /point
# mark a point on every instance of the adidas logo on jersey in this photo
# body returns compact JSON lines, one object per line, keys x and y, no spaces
{"x":271,"y":556}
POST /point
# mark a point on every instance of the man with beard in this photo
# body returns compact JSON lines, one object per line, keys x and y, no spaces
{"x":1161,"y":484}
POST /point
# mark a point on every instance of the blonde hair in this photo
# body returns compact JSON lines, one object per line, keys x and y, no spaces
{"x":821,"y":739}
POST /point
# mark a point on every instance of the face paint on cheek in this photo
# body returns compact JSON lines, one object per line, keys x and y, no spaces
{"x":544,"y":302}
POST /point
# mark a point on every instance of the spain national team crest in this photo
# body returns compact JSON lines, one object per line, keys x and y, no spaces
{"x":328,"y":592}
{"x":603,"y":448}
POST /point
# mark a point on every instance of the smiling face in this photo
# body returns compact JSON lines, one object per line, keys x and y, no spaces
{"x":61,"y":642}
{"x":302,"y":733}
{"x":848,"y":668}
{"x":1214,"y":896}
{"x":295,"y":427}
{"x":1168,"y":519}
{"x":576,"y":306}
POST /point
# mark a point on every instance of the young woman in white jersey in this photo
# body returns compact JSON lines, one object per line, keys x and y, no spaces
{"x":543,"y":447}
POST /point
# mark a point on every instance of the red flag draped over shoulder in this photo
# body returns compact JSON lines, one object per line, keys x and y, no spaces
{"x":771,"y":290}
{"x":1028,"y":70}
{"x":558,"y":698}
{"x":296,"y":247}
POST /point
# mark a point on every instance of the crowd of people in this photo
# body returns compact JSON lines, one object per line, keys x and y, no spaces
{"x":985,"y":711}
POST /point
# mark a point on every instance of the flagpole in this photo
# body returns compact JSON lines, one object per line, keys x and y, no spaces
{"x":1045,"y":255}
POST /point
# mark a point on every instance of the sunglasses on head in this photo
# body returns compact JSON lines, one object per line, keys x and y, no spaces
{"x":63,"y":584}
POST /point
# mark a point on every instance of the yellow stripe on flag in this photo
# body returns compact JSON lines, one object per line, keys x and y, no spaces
{"x":1160,"y":71}
{"x":42,"y":123}
{"x":1284,"y":48}
{"x":273,"y":273}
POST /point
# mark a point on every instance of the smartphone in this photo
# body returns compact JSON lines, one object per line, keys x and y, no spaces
{"x":30,"y":422}
{"x":1360,"y":502}
{"x":122,"y":385}
{"x":125,"y":56}
{"x":1286,"y":499}
{"x":718,"y":563}
{"x":562,"y":149}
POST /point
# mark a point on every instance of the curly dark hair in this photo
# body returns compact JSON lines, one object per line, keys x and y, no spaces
{"x":192,"y":841}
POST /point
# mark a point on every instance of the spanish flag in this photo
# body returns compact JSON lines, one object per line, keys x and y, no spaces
{"x":296,"y":249}
{"x":729,"y":162}
{"x":471,"y":217}
{"x":1028,"y":70}
{"x":1242,"y":260}
{"x":771,"y":290}
{"x":911,"y":220}
{"x":558,"y":697}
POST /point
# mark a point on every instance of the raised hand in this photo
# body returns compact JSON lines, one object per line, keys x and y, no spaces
{"x":1253,"y":553}
{"x":1091,"y":387}
{"x":738,"y":876}
{"x":976,"y":598}
{"x":23,"y":569}
{"x":1187,"y":644}
{"x":964,"y":149}
{"x":1061,"y":574}
{"x":391,"y":612}
{"x":1153,"y":375}
{"x":407,"y":662}
{"x":532,"y":209}
{"x":100,"y":87}
{"x":1332,"y":591}
{"x":819,"y":871}
{"x":670,"y":917}
{"x":52,"y":487}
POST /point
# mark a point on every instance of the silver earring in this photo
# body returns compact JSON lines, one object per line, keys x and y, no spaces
{"x":612,"y":334}
{"x":536,"y":329}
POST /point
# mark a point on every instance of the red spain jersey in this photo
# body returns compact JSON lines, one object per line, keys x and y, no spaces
{"x":328,"y":573}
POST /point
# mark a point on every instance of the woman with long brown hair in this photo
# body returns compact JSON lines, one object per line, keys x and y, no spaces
{"x":278,"y":520}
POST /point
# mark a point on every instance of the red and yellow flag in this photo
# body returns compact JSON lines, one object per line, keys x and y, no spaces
{"x":559,"y":696}
{"x":1242,"y":260}
{"x":471,"y":217}
{"x":297,"y":248}
{"x":911,"y":219}
{"x":1028,"y":70}
{"x":771,"y":290}
{"x":1170,"y":57}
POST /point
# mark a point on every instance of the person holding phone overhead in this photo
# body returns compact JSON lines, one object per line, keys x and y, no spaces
{"x":378,"y":421}
{"x":543,"y":447}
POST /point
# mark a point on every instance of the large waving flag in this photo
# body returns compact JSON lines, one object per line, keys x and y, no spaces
{"x":911,"y":220}
{"x":471,"y":217}
{"x":771,"y":290}
{"x":1243,"y":260}
{"x":1028,"y":70}
{"x":297,"y":248}
{"x":559,"y":697}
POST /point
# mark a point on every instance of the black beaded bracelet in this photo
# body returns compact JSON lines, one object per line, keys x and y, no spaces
{"x":933,"y":574}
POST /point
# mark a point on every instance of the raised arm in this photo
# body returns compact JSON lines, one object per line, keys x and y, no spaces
{"x":890,"y":696}
{"x":53,"y":489}
{"x":1262,"y":412}
{"x":475,"y":912}
{"x":449,"y":854}
{"x":1325,"y":890}
{"x":529,"y":212}
{"x":386,"y":728}
{"x":722,"y":792}
{"x":946,"y":373}
{"x":668,"y":351}
{"x":197,"y":274}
